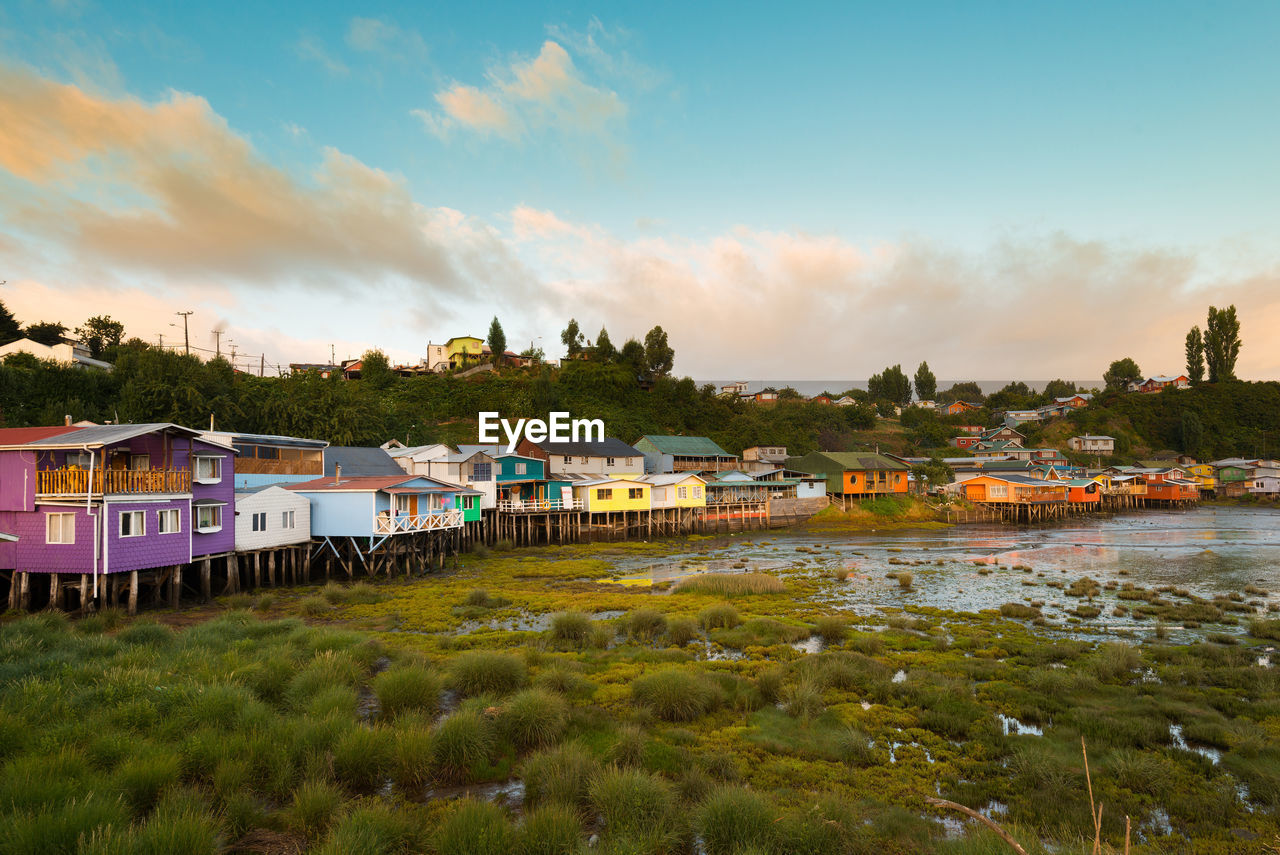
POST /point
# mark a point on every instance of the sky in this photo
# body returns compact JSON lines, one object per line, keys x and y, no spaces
{"x":1007,"y":190}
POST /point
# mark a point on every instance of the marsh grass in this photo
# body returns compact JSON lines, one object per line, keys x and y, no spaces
{"x":534,"y":718}
{"x":730,"y":584}
{"x":631,"y":801}
{"x":460,"y":746}
{"x":722,"y":616}
{"x":408,"y":688}
{"x":644,"y":625}
{"x":482,"y":672}
{"x":735,"y":820}
{"x":315,"y":805}
{"x":550,"y":830}
{"x":832,"y":629}
{"x":314,"y":606}
{"x":676,"y":695}
{"x":362,"y":758}
{"x":475,"y":827}
{"x":1021,"y":611}
{"x":560,"y":775}
{"x":905,"y":579}
{"x":570,"y":628}
{"x":681,"y":631}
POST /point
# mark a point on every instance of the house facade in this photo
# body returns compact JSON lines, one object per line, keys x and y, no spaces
{"x":375,"y":506}
{"x":611,"y":457}
{"x":683,"y":454}
{"x":263,"y":459}
{"x":66,"y":353}
{"x":676,"y":490}
{"x":608,"y":494}
{"x":1092,"y":444}
{"x":855,"y":474}
{"x":1160,"y":382}
{"x":271,"y":517}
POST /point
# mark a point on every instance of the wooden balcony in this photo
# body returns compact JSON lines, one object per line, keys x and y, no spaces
{"x":703,"y":464}
{"x":409,"y":523}
{"x":78,"y":482}
{"x":532,"y":506}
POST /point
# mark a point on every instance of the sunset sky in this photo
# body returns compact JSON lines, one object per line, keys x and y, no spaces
{"x":1008,"y":190}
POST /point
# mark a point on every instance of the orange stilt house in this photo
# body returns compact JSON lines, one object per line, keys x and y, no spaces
{"x":854,"y":475}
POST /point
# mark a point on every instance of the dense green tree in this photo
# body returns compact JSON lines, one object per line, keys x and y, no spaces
{"x":1195,"y":356}
{"x":659,"y":357}
{"x":100,"y":334}
{"x":789,"y":393}
{"x":45,"y":332}
{"x":926,"y":383}
{"x":375,"y":369}
{"x":497,"y":342}
{"x":891,"y":385}
{"x":1121,"y":373}
{"x":1222,"y":344}
{"x":935,"y":473}
{"x":10,"y":329}
{"x":1192,"y":431}
{"x":969,"y":391}
{"x":572,"y":339}
{"x":534,"y":353}
{"x":605,"y":351}
{"x":633,"y":357}
{"x":1013,"y":396}
{"x":1058,"y":389}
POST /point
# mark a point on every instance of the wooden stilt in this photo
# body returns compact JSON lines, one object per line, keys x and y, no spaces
{"x":133,"y":592}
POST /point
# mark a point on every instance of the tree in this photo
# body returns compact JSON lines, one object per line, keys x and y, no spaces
{"x":605,"y":351}
{"x":45,"y":332}
{"x":967,"y":391}
{"x":9,"y":327}
{"x":926,"y":383}
{"x":572,"y":338}
{"x":534,"y":353}
{"x":632,"y":355}
{"x":932,"y":474}
{"x":100,"y":333}
{"x":1121,"y":373}
{"x":1058,"y":389}
{"x":497,"y":342}
{"x":375,"y":369}
{"x":1192,"y":433}
{"x":1014,"y":396}
{"x":890,"y":385}
{"x":658,"y":355}
{"x":1222,"y":344}
{"x":1195,"y":357}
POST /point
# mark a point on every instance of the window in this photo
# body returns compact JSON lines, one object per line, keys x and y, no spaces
{"x":170,"y":521}
{"x":140,"y":463}
{"x":568,"y":461}
{"x":697,"y":491}
{"x":608,"y":461}
{"x":635,"y":493}
{"x":208,"y":470}
{"x":78,"y":458}
{"x":522,"y":468}
{"x":999,"y":491}
{"x":288,"y":519}
{"x":435,"y":501}
{"x":60,"y":528}
{"x":260,"y":521}
{"x":469,"y":503}
{"x":403,"y":503}
{"x":267,"y":452}
{"x":482,"y":472}
{"x":209,"y":518}
{"x":133,"y":523}
{"x":682,"y":492}
{"x":582,"y":459}
{"x":604,"y":495}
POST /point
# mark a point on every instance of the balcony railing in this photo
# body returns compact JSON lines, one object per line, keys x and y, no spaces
{"x":78,"y":482}
{"x":408,"y":523}
{"x":517,"y":506}
{"x":703,"y":464}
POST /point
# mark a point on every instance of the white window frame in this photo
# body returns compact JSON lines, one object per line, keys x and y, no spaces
{"x":697,"y":491}
{"x":288,"y":519}
{"x":78,"y":458}
{"x":998,"y":491}
{"x":215,"y":525}
{"x":140,"y":463}
{"x":682,"y":492}
{"x":139,"y":516}
{"x":60,"y":538}
{"x":522,"y":468}
{"x":172,"y":513}
{"x":215,"y":461}
{"x":435,"y":502}
{"x":609,"y":461}
{"x":258,"y":521}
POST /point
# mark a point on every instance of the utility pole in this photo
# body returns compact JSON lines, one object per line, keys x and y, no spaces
{"x":217,"y":347}
{"x":162,"y":341}
{"x":262,"y":364}
{"x":233,"y":353}
{"x":332,"y":357}
{"x":186,"y":338}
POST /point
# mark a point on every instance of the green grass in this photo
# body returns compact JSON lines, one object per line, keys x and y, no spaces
{"x":483,"y":672}
{"x":560,"y":775}
{"x":722,"y":616}
{"x":534,"y":718}
{"x":552,"y":829}
{"x":735,"y":820}
{"x":408,"y":688}
{"x":731,"y":584}
{"x":475,"y":827}
{"x":461,"y":746}
{"x":675,"y":695}
{"x":631,"y":801}
{"x":570,"y":628}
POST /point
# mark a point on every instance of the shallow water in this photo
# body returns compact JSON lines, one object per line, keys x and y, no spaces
{"x":1207,"y":551}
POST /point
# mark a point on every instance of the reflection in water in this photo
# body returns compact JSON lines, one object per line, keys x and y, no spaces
{"x":1207,"y":551}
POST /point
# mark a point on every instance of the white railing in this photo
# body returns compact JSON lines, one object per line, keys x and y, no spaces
{"x":405,"y":523}
{"x":517,"y":506}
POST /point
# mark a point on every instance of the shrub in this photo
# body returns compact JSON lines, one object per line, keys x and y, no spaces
{"x":730,"y":584}
{"x":408,"y":688}
{"x":905,"y":579}
{"x":145,"y":776}
{"x":361,"y":758}
{"x":475,"y":827}
{"x":483,"y":673}
{"x":645,"y":624}
{"x":833,"y":630}
{"x":461,"y":745}
{"x":315,"y":805}
{"x":571,"y":628}
{"x":565,"y":682}
{"x":675,"y":695}
{"x":562,"y":775}
{"x":1114,"y":661}
{"x":681,"y":631}
{"x":803,"y":699}
{"x":534,"y":718}
{"x":1019,"y":610}
{"x":411,"y":766}
{"x":631,"y":801}
{"x":723,"y":616}
{"x":735,"y":819}
{"x":314,"y":606}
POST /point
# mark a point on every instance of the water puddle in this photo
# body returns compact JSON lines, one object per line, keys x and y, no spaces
{"x":812,"y":644}
{"x":1013,"y":727}
{"x":506,"y":793}
{"x":1213,"y":755}
{"x":900,"y":676}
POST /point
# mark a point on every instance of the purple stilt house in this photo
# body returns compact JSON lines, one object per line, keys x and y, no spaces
{"x":93,"y":505}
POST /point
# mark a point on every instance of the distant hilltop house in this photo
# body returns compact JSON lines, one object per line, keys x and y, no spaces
{"x":957,"y":407}
{"x":1013,"y":418}
{"x":1159,"y":382}
{"x":846,"y":401}
{"x":66,"y":353}
{"x":821,"y":399}
{"x":1091,"y":444}
{"x":735,"y":389}
{"x":924,"y":404}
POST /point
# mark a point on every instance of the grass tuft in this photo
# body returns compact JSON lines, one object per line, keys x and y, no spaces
{"x":481,"y":672}
{"x":730,"y":584}
{"x":675,"y":695}
{"x":410,"y":688}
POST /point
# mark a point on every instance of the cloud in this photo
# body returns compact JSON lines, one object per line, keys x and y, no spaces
{"x":604,"y":49}
{"x":388,"y":40}
{"x":167,"y":189}
{"x":545,"y":92}
{"x":311,"y":49}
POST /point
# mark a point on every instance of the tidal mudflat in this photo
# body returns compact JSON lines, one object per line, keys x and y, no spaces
{"x":771,"y":692}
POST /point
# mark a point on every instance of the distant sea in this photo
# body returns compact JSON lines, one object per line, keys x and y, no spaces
{"x":809,"y":388}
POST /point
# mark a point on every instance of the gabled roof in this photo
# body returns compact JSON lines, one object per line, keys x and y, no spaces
{"x":359,"y":460}
{"x":685,"y":446}
{"x":609,"y":447}
{"x":103,"y":435}
{"x":861,"y":460}
{"x":23,"y":436}
{"x":230,"y":436}
{"x":372,"y":483}
{"x":669,"y":478}
{"x":594,"y":480}
{"x":494,"y":450}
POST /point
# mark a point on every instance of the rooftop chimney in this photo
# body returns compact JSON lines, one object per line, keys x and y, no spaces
{"x":66,"y":420}
{"x":337,"y":474}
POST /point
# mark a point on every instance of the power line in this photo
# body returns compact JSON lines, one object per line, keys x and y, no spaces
{"x":186,"y":338}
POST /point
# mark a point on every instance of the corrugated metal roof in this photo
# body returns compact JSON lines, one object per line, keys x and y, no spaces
{"x":374,"y":482}
{"x":685,"y":446}
{"x":23,"y":436}
{"x":669,"y":478}
{"x":101,"y":435}
{"x":226,"y":436}
{"x":610,"y":447}
{"x":359,"y":460}
{"x":862,"y":460}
